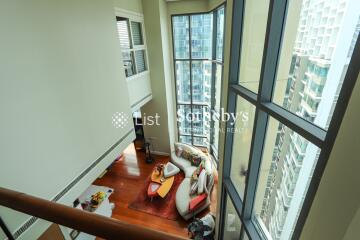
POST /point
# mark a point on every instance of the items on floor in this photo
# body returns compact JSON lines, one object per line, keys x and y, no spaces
{"x":95,"y":199}
{"x":202,"y":229}
{"x":149,"y":158}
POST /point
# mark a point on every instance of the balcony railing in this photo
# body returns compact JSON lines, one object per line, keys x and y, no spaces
{"x":91,"y":223}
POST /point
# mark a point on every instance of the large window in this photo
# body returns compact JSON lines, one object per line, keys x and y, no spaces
{"x":297,"y":59}
{"x":198,"y":63}
{"x":132,"y":44}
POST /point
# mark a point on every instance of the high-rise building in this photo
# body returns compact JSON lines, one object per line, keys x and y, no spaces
{"x":317,"y":69}
{"x":193,"y":53}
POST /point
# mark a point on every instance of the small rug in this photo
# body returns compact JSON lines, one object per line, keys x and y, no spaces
{"x":161,"y":207}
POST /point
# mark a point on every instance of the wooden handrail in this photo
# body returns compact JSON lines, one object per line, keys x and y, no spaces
{"x":83,"y":221}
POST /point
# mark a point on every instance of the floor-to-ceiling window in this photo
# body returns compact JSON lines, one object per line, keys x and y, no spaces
{"x":289,"y":83}
{"x":198,"y":63}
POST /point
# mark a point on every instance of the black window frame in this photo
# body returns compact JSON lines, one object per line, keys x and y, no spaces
{"x":265,"y":108}
{"x":214,"y":62}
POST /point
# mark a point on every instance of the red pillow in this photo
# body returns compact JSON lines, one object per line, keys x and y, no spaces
{"x":197,"y":202}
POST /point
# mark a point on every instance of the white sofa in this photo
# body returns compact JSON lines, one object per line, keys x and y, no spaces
{"x":183,"y":197}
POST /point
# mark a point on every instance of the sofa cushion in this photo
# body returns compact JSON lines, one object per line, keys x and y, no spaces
{"x":178,"y":151}
{"x":183,"y":197}
{"x":170,"y":170}
{"x":197,"y":202}
{"x":202,"y":182}
{"x":193,"y":156}
{"x":189,"y":148}
{"x":208,"y":165}
{"x":210,"y":182}
{"x":180,"y":162}
{"x":193,"y":188}
{"x":189,"y":171}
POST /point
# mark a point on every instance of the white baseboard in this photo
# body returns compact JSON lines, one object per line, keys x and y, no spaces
{"x":160,"y":153}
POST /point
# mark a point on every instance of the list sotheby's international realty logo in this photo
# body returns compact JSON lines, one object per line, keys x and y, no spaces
{"x":121,"y":119}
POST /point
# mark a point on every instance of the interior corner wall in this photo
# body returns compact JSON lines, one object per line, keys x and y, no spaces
{"x":157,"y":46}
{"x":61,"y":81}
{"x":169,"y":72}
{"x":224,"y":96}
{"x":353,"y":231}
{"x":130,"y":5}
{"x":338,"y":197}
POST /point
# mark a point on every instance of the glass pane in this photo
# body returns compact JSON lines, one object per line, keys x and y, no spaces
{"x":201,"y":120}
{"x":140,"y":61}
{"x":245,"y":115}
{"x":318,"y":43}
{"x":181,"y":37}
{"x":184,"y":119}
{"x":218,"y":82}
{"x":201,"y":82}
{"x":137,"y":33}
{"x":232,"y":225}
{"x":255,"y":19}
{"x":185,"y":139}
{"x":128,"y":60}
{"x":183,"y":81}
{"x":220,"y":33}
{"x":286,"y":170}
{"x":201,"y":36}
{"x":203,"y":142}
{"x":124,"y":33}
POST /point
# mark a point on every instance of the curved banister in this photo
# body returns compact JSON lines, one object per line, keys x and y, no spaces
{"x":80,"y":220}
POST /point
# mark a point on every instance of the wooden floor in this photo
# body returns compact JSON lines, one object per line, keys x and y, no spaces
{"x":127,"y":177}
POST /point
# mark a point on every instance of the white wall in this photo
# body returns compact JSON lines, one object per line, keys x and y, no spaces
{"x":139,"y":90}
{"x":130,"y":5}
{"x":159,"y":65}
{"x":61,"y":80}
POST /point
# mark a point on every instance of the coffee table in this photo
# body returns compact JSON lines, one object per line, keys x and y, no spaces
{"x":164,"y":187}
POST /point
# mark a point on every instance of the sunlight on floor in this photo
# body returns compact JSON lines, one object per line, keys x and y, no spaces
{"x":131,"y":161}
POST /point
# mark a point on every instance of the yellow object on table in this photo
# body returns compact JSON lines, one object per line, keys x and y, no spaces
{"x":166,"y":183}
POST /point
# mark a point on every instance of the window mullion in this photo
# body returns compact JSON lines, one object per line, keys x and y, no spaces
{"x":191,"y":82}
{"x":213,"y":75}
{"x":236,"y":29}
{"x":257,"y":145}
{"x":132,"y":48}
{"x":275,"y":25}
{"x":277,"y":14}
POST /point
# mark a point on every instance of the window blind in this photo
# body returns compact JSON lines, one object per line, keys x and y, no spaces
{"x":140,"y":60}
{"x":123,"y":33}
{"x":137,"y":34}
